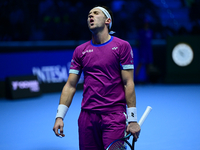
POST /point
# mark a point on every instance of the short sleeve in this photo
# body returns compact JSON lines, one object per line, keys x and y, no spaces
{"x":126,"y":56}
{"x":75,"y":66}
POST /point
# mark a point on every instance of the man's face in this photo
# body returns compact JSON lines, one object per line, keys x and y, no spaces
{"x":96,"y":19}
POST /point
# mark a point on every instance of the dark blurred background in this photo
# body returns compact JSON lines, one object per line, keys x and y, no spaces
{"x":52,"y":27}
{"x":43,"y":20}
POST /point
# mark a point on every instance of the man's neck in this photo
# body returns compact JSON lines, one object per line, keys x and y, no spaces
{"x":100,"y":37}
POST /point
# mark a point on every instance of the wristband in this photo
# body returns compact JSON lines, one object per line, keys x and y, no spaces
{"x":132,"y":114}
{"x":61,"y":112}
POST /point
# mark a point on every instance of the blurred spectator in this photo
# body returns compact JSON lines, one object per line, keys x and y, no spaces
{"x":17,"y":20}
{"x":145,"y":53}
{"x":57,"y":19}
{"x":182,"y":31}
{"x":37,"y":33}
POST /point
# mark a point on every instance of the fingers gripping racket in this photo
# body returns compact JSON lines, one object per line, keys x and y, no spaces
{"x":120,"y":144}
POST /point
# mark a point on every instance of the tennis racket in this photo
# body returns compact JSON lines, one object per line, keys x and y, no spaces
{"x":121,"y":144}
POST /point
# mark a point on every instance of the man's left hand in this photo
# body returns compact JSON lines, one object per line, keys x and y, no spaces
{"x":134,"y":129}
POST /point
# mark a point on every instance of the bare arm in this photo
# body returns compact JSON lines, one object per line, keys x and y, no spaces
{"x":129,"y":86}
{"x":69,"y":90}
{"x":66,"y":98}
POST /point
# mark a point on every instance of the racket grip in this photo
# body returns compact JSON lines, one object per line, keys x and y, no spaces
{"x":144,"y":116}
{"x":133,"y":144}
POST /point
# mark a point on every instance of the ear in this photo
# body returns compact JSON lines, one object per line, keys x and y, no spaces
{"x":108,"y":21}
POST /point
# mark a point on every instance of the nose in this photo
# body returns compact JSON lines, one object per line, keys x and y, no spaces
{"x":90,"y":16}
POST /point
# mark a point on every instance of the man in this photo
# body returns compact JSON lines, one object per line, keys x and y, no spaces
{"x":107,"y":63}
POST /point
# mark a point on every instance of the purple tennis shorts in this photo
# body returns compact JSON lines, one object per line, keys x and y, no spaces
{"x":97,"y":131}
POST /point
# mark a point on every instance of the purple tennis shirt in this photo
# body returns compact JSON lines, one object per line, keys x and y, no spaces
{"x":102,"y":64}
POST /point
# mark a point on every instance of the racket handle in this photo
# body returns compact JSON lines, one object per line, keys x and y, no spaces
{"x":144,"y":116}
{"x":133,"y":144}
{"x":141,"y":121}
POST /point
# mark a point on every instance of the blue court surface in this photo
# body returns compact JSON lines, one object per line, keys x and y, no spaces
{"x":173,"y":123}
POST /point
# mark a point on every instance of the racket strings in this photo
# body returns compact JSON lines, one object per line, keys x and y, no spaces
{"x":118,"y":145}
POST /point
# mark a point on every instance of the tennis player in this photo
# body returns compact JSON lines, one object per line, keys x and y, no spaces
{"x":107,"y":63}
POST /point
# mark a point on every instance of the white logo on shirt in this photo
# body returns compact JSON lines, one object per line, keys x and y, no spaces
{"x":87,"y":51}
{"x":114,"y":48}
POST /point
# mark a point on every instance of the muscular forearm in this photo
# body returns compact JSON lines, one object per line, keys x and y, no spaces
{"x":67,"y":94}
{"x":65,"y":99}
{"x":133,"y":126}
{"x":69,"y":90}
{"x":130,"y":94}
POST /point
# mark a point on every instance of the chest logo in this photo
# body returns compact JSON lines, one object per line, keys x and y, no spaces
{"x":87,"y":51}
{"x":114,"y":48}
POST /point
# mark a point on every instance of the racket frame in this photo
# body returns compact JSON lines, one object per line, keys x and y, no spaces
{"x":141,"y":121}
{"x":122,"y":139}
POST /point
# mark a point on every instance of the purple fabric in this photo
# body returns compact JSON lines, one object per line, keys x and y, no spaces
{"x":97,"y":131}
{"x":102,"y":64}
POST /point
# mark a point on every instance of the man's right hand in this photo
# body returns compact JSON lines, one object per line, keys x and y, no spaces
{"x":58,"y":126}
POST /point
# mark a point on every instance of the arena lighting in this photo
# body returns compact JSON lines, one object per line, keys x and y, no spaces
{"x":22,"y":87}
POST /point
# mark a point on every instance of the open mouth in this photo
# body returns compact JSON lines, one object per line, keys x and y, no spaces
{"x":91,"y":21}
